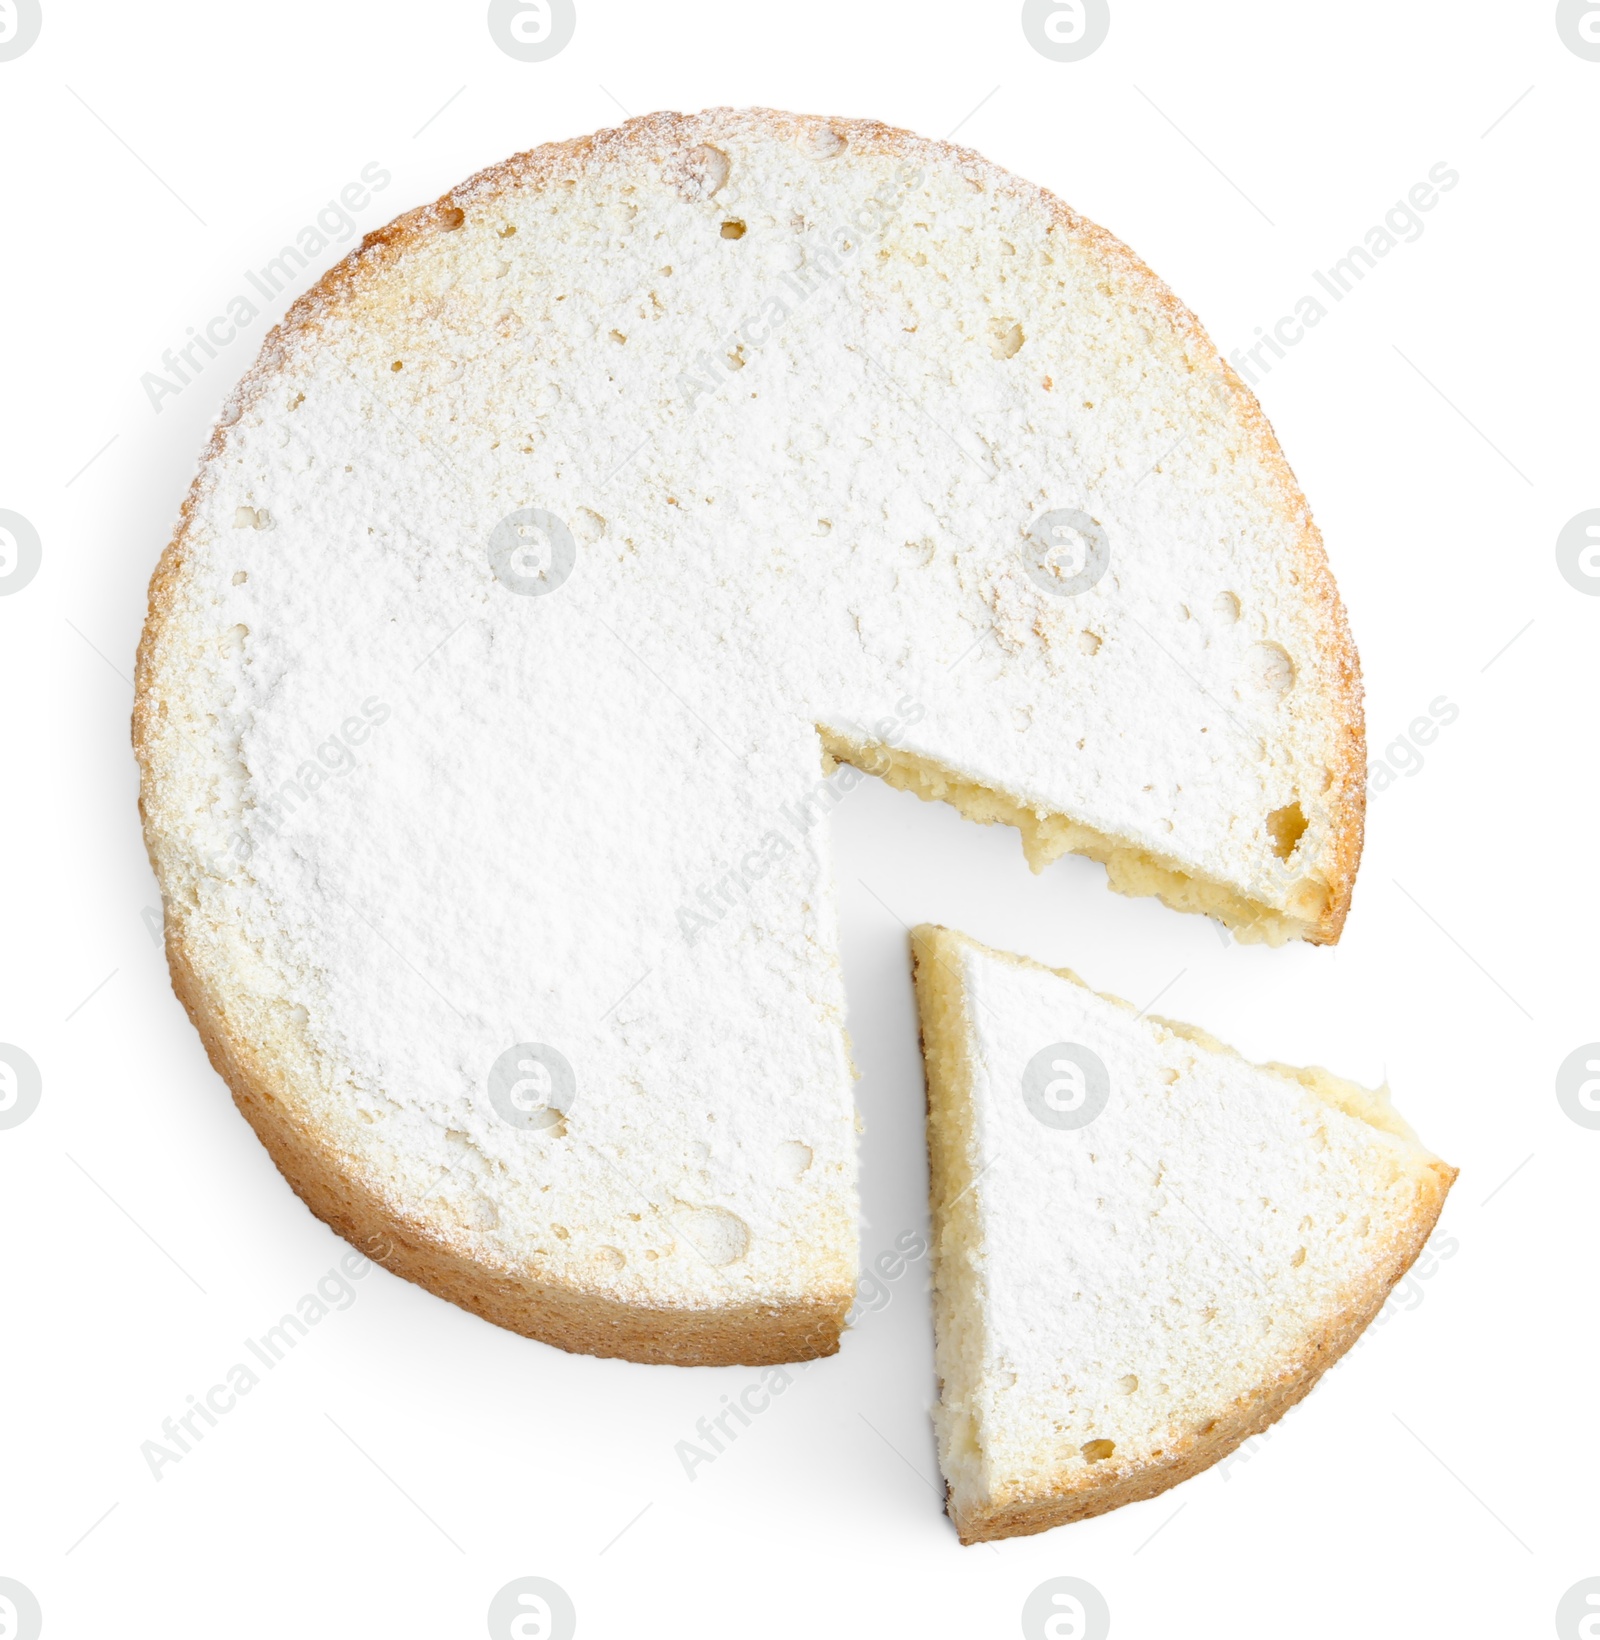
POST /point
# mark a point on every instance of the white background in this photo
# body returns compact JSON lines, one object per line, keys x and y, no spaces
{"x":408,"y":1460}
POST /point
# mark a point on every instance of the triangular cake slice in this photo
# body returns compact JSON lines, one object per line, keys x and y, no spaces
{"x":1147,"y":1249}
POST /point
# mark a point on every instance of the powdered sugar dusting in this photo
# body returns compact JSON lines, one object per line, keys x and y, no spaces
{"x":444,"y":814}
{"x":1189,"y":1239}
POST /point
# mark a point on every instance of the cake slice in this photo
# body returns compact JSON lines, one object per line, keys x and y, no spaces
{"x":1146,"y":1249}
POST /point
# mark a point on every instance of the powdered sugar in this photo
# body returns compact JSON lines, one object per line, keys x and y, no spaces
{"x":1147,"y":1270}
{"x":835,"y":528}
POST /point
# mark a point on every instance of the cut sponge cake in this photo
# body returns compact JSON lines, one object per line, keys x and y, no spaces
{"x":1146,"y":1249}
{"x":556,"y":543}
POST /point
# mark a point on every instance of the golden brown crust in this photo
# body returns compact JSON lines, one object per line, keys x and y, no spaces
{"x":585,"y":1322}
{"x":1247,"y":1418}
{"x":575,"y":1319}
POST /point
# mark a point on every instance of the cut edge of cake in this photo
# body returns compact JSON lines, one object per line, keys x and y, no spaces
{"x":1316,"y":915}
{"x":947,"y":1041}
